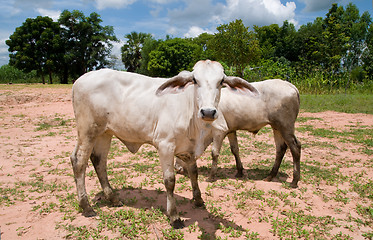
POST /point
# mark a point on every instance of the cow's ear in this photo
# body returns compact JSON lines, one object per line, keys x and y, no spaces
{"x":176,"y":84}
{"x":239,"y":85}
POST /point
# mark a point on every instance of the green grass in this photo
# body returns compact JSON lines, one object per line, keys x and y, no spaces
{"x":349,"y":103}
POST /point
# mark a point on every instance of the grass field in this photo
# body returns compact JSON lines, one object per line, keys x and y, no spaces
{"x":348,"y":103}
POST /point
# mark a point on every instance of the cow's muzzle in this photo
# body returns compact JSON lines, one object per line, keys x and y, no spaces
{"x":209,"y":114}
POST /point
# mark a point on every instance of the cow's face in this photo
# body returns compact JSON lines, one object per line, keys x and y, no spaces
{"x":208,"y":78}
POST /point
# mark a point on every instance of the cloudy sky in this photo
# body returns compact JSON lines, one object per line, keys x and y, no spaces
{"x":177,"y":18}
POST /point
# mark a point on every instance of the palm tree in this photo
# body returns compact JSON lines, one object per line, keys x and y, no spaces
{"x":131,"y":50}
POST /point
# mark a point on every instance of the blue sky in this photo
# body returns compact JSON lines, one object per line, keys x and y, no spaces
{"x":177,"y":18}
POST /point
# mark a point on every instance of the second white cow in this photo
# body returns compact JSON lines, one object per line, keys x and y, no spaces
{"x":166,"y":113}
{"x":276,"y":103}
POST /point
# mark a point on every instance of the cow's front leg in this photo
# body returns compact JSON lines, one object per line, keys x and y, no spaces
{"x":166,"y":157}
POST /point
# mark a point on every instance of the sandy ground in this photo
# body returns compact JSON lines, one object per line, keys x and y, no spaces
{"x":38,"y":133}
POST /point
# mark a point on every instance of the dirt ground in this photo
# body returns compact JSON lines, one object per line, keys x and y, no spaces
{"x":38,"y":196}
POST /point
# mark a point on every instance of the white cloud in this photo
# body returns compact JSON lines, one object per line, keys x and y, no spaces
{"x":195,"y":31}
{"x":262,"y":12}
{"x":4,"y":54}
{"x":318,"y":5}
{"x":209,"y":14}
{"x":172,"y":31}
{"x":116,"y":55}
{"x":196,"y":12}
{"x":50,"y":13}
{"x":102,"y":4}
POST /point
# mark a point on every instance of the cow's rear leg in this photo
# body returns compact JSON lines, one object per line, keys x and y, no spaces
{"x":295,"y":149}
{"x":235,"y":150}
{"x":193,"y":174}
{"x":99,"y":160}
{"x":215,"y":152}
{"x":166,"y":157}
{"x":79,"y":160}
{"x":281,"y":148}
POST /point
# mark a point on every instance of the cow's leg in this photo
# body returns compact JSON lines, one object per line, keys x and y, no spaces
{"x":99,"y":160}
{"x":280,"y":152}
{"x":215,"y":152}
{"x":295,"y":149}
{"x":193,"y":174}
{"x":235,"y":150}
{"x":79,"y":160}
{"x":166,"y":157}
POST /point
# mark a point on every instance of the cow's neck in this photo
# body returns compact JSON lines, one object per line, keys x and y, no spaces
{"x":202,"y":132}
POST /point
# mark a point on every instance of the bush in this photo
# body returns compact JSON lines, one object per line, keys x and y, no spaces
{"x":10,"y":74}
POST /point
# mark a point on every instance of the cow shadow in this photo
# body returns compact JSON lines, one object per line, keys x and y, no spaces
{"x":255,"y":174}
{"x":146,"y":199}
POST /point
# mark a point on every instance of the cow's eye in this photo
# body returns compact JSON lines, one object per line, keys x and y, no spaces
{"x":221,"y":82}
{"x":194,"y":81}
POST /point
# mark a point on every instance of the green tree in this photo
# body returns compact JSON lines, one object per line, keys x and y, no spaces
{"x":236,"y":46}
{"x":36,"y":45}
{"x":286,"y":42}
{"x":131,"y":50}
{"x":205,"y":41}
{"x":172,"y":56}
{"x":310,"y":37}
{"x":335,"y":38}
{"x":87,"y":43}
{"x":267,"y":36}
{"x":367,"y":55}
{"x":356,"y":29}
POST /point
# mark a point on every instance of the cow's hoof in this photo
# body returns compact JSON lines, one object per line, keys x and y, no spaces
{"x":178,"y":224}
{"x":89,"y":212}
{"x":239,"y":175}
{"x":179,"y":169}
{"x":117,"y":204}
{"x":294,"y":185}
{"x":211,"y":178}
{"x":268,"y":179}
{"x":199,"y":202}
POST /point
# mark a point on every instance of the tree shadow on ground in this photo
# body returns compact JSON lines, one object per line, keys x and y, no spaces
{"x":146,"y":199}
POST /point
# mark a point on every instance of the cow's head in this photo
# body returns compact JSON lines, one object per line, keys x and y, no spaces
{"x":208,"y":78}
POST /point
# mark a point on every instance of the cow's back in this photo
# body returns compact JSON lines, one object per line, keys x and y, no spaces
{"x":125,"y":104}
{"x":252,"y":112}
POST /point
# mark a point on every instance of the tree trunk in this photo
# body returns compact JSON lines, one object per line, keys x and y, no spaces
{"x":65,"y":74}
{"x":50,"y":77}
{"x":42,"y":77}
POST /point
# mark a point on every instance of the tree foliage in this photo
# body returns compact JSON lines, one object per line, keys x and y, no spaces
{"x":36,"y":45}
{"x":330,"y":51}
{"x":86,"y":43}
{"x":236,"y":46}
{"x":131,"y":50}
{"x":172,"y":56}
{"x":69,"y":48}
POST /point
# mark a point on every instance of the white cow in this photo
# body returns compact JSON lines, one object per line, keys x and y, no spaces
{"x":277,"y":104}
{"x":166,"y":113}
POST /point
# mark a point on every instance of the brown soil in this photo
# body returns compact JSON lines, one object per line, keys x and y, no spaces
{"x":38,"y":134}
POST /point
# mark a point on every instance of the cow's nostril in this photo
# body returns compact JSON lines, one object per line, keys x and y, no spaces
{"x":208,"y":114}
